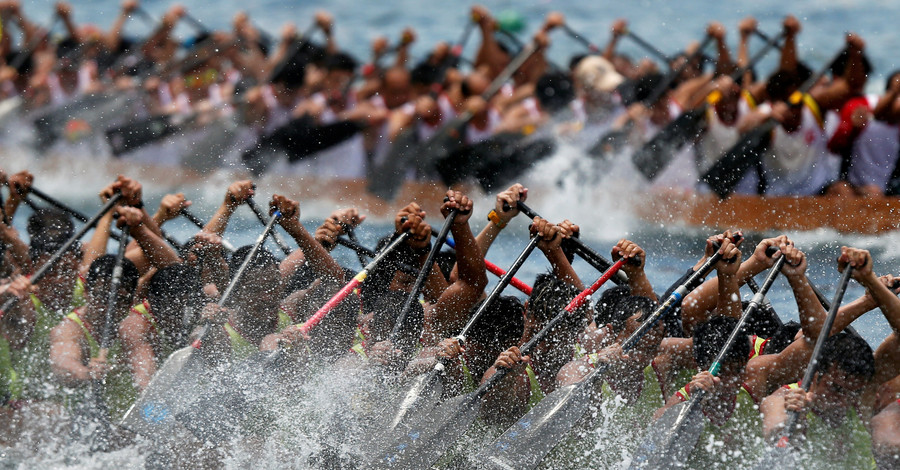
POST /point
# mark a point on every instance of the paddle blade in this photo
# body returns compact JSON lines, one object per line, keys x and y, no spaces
{"x":656,"y":154}
{"x":728,"y":171}
{"x":228,"y":404}
{"x":173,"y":387}
{"x":669,"y":440}
{"x":527,"y":442}
{"x":609,"y":143}
{"x":423,"y":442}
{"x":778,"y":457}
{"x":134,"y":135}
{"x":419,"y":398}
{"x":387,"y":177}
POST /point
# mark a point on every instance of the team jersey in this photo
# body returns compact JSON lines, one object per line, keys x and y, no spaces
{"x":119,"y":389}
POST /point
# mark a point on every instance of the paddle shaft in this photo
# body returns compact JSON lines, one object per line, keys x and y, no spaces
{"x":790,"y":426}
{"x":360,"y":277}
{"x":696,"y":399}
{"x":361,"y":250}
{"x":192,"y":218}
{"x":504,"y":281}
{"x":583,"y":251}
{"x":22,"y":56}
{"x":579,"y":38}
{"x":498,"y":271}
{"x":422,"y":277}
{"x":647,"y":46}
{"x":359,"y":255}
{"x":672,"y":75}
{"x":259,"y":215}
{"x":42,"y":271}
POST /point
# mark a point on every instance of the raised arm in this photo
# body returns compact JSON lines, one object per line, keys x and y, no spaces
{"x":788,"y":61}
{"x":810,"y":311}
{"x":451,"y":311}
{"x":112,"y":39}
{"x":154,"y":251}
{"x":619,"y":28}
{"x":884,"y":297}
{"x":551,"y":245}
{"x":320,"y":260}
{"x":637,"y":278}
{"x":498,"y":219}
{"x":236,"y":194}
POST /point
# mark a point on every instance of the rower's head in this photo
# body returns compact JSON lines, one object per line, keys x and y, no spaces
{"x":340,"y":67}
{"x":764,"y":322}
{"x":635,"y":310}
{"x":782,"y":338}
{"x":174,"y":294}
{"x":395,"y":87}
{"x":384,"y":317}
{"x":475,"y":84}
{"x":846,"y":367}
{"x":48,"y":230}
{"x":605,"y":312}
{"x":499,"y":327}
{"x":260,"y":288}
{"x":710,"y":338}
{"x":549,"y":296}
{"x":554,"y":91}
{"x":99,"y":281}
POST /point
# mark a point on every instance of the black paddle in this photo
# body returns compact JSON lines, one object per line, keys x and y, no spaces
{"x":42,"y":271}
{"x":426,"y":389}
{"x":655,"y":155}
{"x":525,"y":443}
{"x":262,"y":219}
{"x":580,"y":248}
{"x":780,"y":455}
{"x":612,"y":140}
{"x":192,"y":218}
{"x":669,"y":445}
{"x":424,"y":441}
{"x":400,"y":322}
{"x":647,"y":46}
{"x":725,"y":174}
{"x":81,"y":217}
{"x":103,"y":432}
{"x":359,"y":255}
{"x":174,"y":385}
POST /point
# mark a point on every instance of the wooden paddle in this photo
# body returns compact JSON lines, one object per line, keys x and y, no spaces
{"x":655,"y":155}
{"x":725,"y":174}
{"x":174,"y":386}
{"x":525,"y":444}
{"x":670,"y":446}
{"x":782,"y":453}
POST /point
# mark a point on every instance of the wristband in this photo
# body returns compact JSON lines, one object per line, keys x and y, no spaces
{"x":494,"y":217}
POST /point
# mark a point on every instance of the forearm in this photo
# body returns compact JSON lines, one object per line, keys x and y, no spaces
{"x":320,"y":260}
{"x":157,"y":251}
{"x":729,"y":299}
{"x":812,"y":317}
{"x":96,"y":247}
{"x":562,"y":269}
{"x":219,"y":221}
{"x":469,"y":256}
{"x":640,"y":285}
{"x":788,"y":61}
{"x":486,"y":237}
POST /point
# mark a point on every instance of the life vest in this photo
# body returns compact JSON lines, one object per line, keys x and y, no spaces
{"x":757,"y":346}
{"x":10,"y":385}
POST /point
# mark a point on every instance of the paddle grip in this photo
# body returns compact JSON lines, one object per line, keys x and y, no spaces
{"x":583,"y":251}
